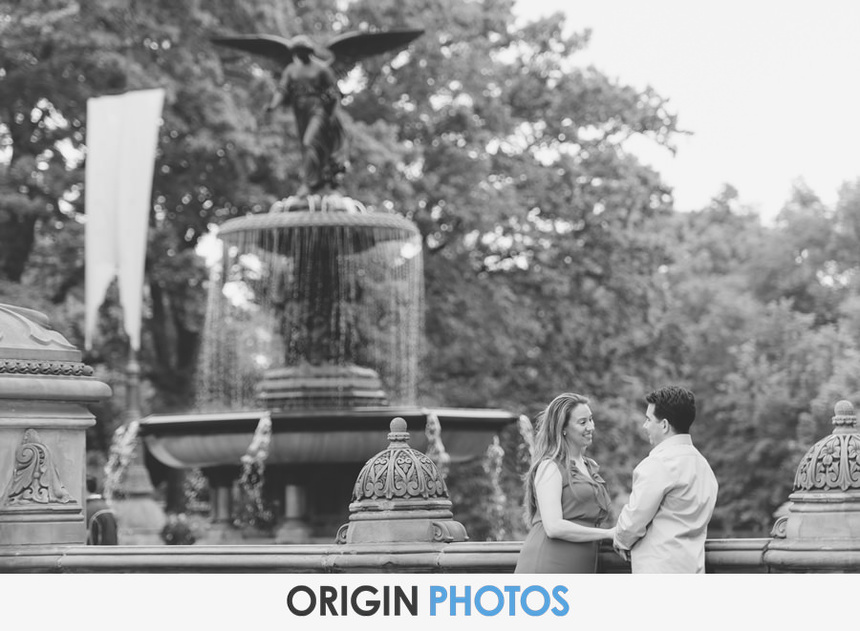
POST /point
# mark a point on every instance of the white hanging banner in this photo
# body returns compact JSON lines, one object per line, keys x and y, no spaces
{"x":100,"y":193}
{"x":122,"y":137}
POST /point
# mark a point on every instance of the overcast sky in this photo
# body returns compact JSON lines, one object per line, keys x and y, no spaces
{"x":770,"y":90}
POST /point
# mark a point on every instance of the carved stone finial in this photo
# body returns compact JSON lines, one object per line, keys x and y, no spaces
{"x":844,"y":419}
{"x":400,"y":495}
{"x":398,"y":433}
{"x":398,"y":472}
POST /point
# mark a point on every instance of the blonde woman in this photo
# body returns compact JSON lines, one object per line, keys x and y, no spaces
{"x":566,"y":499}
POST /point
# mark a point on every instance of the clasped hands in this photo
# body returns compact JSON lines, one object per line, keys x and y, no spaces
{"x":624,"y":553}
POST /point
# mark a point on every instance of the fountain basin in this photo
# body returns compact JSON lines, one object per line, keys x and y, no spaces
{"x":313,"y":436}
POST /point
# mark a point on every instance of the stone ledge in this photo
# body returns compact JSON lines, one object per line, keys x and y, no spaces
{"x":723,"y":556}
{"x":53,"y":388}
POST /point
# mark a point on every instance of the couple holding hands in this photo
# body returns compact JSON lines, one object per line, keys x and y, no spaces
{"x":663,"y":526}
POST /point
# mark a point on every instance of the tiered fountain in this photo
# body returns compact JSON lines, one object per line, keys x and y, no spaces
{"x":314,"y":321}
{"x":314,"y":324}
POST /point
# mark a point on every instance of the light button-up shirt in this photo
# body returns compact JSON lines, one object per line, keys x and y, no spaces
{"x":665,"y":521}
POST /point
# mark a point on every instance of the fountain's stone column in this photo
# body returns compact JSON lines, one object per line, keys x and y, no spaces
{"x":294,"y":528}
{"x":821,"y":531}
{"x":221,"y":482}
{"x":399,"y":497}
{"x":44,"y":392}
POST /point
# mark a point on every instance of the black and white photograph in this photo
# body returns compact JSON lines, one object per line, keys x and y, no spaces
{"x":406,"y":309}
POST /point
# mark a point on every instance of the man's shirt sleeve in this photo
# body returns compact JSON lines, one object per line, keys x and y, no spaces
{"x":651,"y":481}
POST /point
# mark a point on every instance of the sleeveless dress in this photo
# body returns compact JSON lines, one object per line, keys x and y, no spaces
{"x":584,"y":501}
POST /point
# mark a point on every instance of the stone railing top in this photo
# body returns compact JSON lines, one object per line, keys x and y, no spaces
{"x":721,"y":556}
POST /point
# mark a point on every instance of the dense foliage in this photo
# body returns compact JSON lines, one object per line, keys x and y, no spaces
{"x":555,"y":260}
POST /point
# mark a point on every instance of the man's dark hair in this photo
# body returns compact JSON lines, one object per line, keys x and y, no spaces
{"x":675,"y":404}
{"x":92,"y":485}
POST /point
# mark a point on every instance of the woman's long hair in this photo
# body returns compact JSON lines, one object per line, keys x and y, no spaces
{"x":549,"y":443}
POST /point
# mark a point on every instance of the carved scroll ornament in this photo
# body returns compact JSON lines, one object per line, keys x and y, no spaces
{"x":35,"y":479}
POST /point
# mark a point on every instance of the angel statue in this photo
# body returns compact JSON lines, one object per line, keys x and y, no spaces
{"x":309,"y":84}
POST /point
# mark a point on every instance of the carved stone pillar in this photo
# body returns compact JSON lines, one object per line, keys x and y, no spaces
{"x":821,"y":530}
{"x":44,"y":391}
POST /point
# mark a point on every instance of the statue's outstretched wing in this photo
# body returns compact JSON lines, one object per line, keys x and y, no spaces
{"x":271,"y":46}
{"x":351,"y":47}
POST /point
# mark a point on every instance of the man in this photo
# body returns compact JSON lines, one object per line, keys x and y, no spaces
{"x":101,"y":521}
{"x":663,"y":527}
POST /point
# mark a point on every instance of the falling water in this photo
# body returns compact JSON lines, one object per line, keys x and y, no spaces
{"x":121,"y":453}
{"x":435,"y":447}
{"x":251,"y":482}
{"x":527,"y":432}
{"x":195,"y":487}
{"x":312,"y":288}
{"x":497,"y":501}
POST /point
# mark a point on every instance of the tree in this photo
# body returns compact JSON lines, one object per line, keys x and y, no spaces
{"x":798,"y":264}
{"x":758,"y":325}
